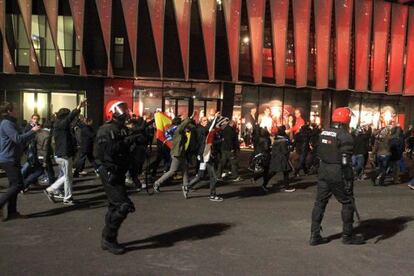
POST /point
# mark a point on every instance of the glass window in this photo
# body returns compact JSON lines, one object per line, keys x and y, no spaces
{"x":66,"y":41}
{"x":119,"y":52}
{"x":28,"y":105}
{"x":63,"y":100}
{"x":147,"y":101}
{"x":270,"y":108}
{"x":42,"y":107}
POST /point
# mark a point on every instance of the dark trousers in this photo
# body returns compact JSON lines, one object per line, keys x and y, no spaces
{"x":267,"y":175}
{"x":211,"y":175}
{"x":31,"y":173}
{"x":119,"y":204}
{"x":163,"y":154}
{"x":80,"y":163}
{"x":15,"y":185}
{"x":327,"y":188}
{"x":228,"y":157}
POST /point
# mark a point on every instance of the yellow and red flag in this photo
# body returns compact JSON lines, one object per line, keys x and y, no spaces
{"x":162,"y":123}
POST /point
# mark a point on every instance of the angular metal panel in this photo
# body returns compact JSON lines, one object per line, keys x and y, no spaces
{"x":157,"y":11}
{"x":398,"y":32}
{"x":130,"y":10}
{"x":279,"y":11}
{"x":182,"y":10}
{"x":105,"y":14}
{"x":323,"y":12}
{"x":301,"y":24}
{"x":256,"y":12}
{"x":363,"y":18}
{"x":77,"y":8}
{"x":343,"y":16}
{"x":208,"y":25}
{"x":26,"y":12}
{"x":232,"y":13}
{"x":382,"y":17}
{"x":51,"y":7}
{"x":8,"y":64}
{"x":409,"y":58}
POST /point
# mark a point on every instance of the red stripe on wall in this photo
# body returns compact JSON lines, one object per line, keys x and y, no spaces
{"x":382,"y":17}
{"x":409,"y":58}
{"x":183,"y":16}
{"x":255,"y":11}
{"x":130,"y":11}
{"x":363,"y":18}
{"x":279,"y":10}
{"x":323,"y":12}
{"x":157,"y":10}
{"x":77,"y":8}
{"x":398,"y":32}
{"x":301,"y":21}
{"x":208,"y":24}
{"x":232,"y":13}
{"x":105,"y":14}
{"x":343,"y":16}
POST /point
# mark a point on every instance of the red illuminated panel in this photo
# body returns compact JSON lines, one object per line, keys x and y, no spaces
{"x":208,"y":25}
{"x":279,"y":10}
{"x":232,"y":13}
{"x":105,"y":15}
{"x":156,"y":11}
{"x":8,"y":65}
{"x":363,"y":17}
{"x":255,"y":11}
{"x":77,"y":8}
{"x":130,"y":10}
{"x":343,"y":16}
{"x":409,"y":59}
{"x":382,"y":13}
{"x":183,"y":16}
{"x":398,"y":31}
{"x":51,"y":7}
{"x":26,"y":11}
{"x":323,"y":11}
{"x":301,"y":21}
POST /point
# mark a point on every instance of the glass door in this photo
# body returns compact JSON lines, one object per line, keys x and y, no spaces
{"x":177,"y":106}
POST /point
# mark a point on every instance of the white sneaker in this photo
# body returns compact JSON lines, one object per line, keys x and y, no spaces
{"x":83,"y":173}
{"x":289,"y":190}
{"x":215,"y":198}
{"x":411,"y":186}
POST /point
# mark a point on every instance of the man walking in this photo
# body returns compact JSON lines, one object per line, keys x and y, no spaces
{"x":11,"y":143}
{"x":64,"y":151}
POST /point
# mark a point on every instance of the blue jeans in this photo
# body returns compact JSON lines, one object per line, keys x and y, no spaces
{"x":383,"y":163}
{"x":358,"y":162}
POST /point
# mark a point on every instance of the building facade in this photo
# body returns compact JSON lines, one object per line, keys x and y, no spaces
{"x":238,"y":56}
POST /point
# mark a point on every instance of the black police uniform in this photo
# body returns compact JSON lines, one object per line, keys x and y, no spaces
{"x":112,"y":152}
{"x":335,"y":178}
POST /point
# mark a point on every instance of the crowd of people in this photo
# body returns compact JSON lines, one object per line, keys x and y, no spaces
{"x":207,"y":149}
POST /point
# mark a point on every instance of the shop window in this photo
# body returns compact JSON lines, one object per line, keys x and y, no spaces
{"x":270,"y":108}
{"x":297,"y":103}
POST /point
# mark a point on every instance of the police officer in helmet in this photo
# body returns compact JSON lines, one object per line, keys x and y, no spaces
{"x":112,"y":150}
{"x":335,"y":177}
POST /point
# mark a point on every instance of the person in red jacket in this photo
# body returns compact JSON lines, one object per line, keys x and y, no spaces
{"x":299,"y":122}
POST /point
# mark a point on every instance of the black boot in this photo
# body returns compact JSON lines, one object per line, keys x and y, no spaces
{"x":317,"y":239}
{"x":112,"y":246}
{"x":353,"y":239}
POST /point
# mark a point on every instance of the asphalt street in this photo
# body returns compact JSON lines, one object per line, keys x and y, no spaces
{"x":249,"y":233}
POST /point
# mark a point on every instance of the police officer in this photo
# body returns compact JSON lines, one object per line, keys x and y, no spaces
{"x":112,"y":150}
{"x":335,"y":177}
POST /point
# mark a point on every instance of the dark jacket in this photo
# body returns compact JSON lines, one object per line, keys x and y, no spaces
{"x":64,"y":142}
{"x":43,"y":142}
{"x":87,"y":138}
{"x":279,"y":161}
{"x":11,"y":141}
{"x":361,"y":143}
{"x":230,"y":141}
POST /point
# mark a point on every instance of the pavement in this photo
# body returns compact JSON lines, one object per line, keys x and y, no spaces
{"x":249,"y":233}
